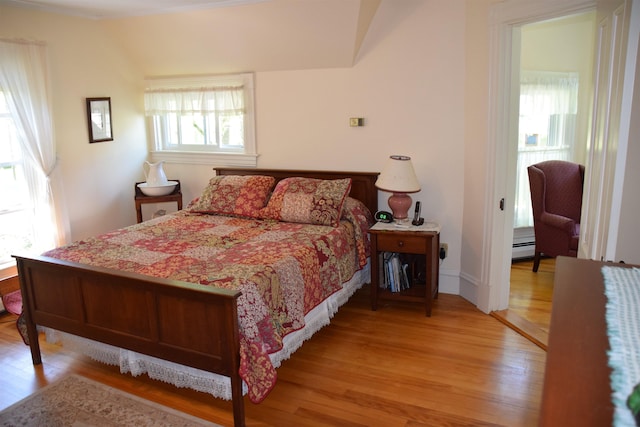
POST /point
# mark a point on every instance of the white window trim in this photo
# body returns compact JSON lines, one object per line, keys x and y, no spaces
{"x":205,"y":158}
{"x":249,"y":158}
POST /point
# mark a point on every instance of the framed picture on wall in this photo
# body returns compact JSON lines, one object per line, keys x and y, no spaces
{"x":99,"y":119}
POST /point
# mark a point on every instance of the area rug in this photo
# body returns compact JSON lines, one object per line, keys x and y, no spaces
{"x":80,"y":402}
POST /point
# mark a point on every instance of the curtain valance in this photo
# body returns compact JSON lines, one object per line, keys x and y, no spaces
{"x":221,"y":100}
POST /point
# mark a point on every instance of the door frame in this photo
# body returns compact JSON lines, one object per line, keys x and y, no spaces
{"x":506,"y":20}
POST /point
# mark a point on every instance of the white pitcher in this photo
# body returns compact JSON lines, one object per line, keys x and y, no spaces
{"x":155,"y":174}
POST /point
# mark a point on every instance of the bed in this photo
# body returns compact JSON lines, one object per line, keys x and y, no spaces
{"x":96,"y":293}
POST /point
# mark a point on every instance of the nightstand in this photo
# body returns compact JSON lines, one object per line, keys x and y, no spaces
{"x":420,"y":247}
{"x":140,"y":199}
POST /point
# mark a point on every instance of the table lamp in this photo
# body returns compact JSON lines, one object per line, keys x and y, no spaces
{"x":399,"y":178}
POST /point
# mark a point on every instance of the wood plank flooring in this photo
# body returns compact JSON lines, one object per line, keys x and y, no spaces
{"x":393,"y":367}
{"x":529,"y":310}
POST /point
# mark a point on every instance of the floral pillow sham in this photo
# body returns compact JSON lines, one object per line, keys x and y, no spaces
{"x":234,"y":195}
{"x":308,"y":201}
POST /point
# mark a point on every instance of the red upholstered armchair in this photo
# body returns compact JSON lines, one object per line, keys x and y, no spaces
{"x":556,"y":198}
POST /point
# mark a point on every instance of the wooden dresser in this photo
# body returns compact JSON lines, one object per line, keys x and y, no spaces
{"x":577,"y":391}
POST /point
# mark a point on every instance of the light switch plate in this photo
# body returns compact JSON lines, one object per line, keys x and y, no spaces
{"x":356,"y":121}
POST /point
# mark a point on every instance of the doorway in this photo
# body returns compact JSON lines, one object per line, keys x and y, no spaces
{"x":554,"y":90}
{"x":509,"y":18}
{"x":605,"y":178}
{"x":556,"y":61}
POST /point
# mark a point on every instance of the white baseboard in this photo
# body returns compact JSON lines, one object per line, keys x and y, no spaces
{"x":449,"y":281}
{"x":524,"y":251}
{"x":524,"y":244}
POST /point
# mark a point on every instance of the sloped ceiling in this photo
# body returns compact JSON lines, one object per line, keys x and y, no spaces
{"x":222,"y":36}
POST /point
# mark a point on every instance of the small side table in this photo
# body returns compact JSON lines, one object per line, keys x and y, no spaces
{"x":140,"y":199}
{"x":418,"y":240}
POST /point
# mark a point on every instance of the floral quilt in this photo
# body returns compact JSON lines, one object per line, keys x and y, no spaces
{"x":283,"y":269}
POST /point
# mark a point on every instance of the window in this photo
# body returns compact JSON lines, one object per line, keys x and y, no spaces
{"x":32,"y":217}
{"x":16,"y":233}
{"x":202,"y":119}
{"x":547,"y":129}
{"x":548,"y":108}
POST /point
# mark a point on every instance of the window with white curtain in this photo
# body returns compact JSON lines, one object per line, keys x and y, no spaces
{"x":16,"y":218}
{"x":547,"y":129}
{"x":34,"y":216}
{"x":201,"y":119}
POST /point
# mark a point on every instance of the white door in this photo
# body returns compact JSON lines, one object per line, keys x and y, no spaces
{"x":611,"y":41}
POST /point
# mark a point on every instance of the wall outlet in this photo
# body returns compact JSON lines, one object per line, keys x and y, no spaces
{"x":444,"y":250}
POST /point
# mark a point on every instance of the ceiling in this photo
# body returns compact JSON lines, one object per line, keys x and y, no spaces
{"x":109,"y":9}
{"x":173,"y":37}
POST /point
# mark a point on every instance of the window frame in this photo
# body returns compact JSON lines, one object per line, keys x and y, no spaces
{"x":248,"y":157}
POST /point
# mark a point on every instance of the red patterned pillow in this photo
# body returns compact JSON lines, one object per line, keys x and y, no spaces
{"x":234,"y":195}
{"x":308,"y":201}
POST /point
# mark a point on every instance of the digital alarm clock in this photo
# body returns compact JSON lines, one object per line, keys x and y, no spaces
{"x":384,"y":216}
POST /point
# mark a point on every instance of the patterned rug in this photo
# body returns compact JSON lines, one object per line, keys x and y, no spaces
{"x":80,"y":402}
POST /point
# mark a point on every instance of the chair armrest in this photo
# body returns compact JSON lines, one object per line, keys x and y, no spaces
{"x":562,"y":222}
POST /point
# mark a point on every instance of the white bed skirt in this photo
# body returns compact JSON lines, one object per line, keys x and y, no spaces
{"x":196,"y":379}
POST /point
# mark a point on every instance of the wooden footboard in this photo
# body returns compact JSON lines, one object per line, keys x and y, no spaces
{"x":181,"y":322}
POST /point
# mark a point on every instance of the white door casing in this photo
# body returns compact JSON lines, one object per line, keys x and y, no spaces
{"x":507,"y":18}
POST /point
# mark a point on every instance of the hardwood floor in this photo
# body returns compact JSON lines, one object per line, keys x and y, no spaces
{"x":393,"y":367}
{"x":529,"y":310}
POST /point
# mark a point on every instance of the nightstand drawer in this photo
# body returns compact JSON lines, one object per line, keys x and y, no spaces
{"x":404,"y":243}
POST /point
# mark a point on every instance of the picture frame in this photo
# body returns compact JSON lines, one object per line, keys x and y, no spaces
{"x":99,"y":119}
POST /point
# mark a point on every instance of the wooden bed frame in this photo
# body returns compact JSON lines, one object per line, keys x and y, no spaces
{"x":158,"y":317}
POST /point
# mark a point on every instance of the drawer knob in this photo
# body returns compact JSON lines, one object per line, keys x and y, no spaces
{"x":400,"y":243}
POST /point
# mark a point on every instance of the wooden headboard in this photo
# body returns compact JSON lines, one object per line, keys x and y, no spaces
{"x":362,"y":183}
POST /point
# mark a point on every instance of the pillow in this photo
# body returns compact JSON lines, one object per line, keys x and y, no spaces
{"x":308,"y":201}
{"x":234,"y":195}
{"x":357,"y":214}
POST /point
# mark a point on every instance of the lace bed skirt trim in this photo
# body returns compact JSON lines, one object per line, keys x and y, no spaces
{"x":196,"y":379}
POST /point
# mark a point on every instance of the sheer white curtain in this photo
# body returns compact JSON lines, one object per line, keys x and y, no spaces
{"x":204,"y":100}
{"x":25,"y":83}
{"x":548,"y":107}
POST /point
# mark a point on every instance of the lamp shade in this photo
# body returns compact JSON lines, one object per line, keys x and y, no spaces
{"x":398,"y":176}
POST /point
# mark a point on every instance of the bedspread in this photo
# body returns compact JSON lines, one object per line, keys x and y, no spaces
{"x":282,"y":269}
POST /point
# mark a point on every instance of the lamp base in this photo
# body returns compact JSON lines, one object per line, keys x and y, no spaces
{"x":400,"y":204}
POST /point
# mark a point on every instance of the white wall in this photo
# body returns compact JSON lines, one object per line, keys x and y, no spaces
{"x":625,"y":218}
{"x":475,"y":161}
{"x":407,"y":84}
{"x":415,"y":82}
